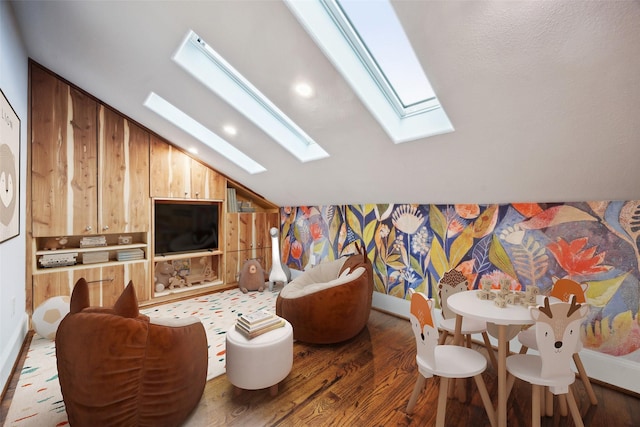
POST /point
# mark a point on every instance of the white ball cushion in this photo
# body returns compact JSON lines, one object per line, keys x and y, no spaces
{"x":47,"y":316}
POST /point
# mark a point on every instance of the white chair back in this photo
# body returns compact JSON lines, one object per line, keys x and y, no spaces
{"x":451,"y":283}
{"x":424,"y":327}
{"x":558,"y":334}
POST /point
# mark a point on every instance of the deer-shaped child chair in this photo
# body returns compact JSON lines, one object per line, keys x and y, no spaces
{"x":445,"y":361}
{"x":561,"y":291}
{"x":557,"y":335}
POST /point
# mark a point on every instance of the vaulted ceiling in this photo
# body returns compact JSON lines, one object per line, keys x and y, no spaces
{"x":544,"y":96}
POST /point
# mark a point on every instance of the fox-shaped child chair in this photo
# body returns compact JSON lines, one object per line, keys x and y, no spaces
{"x":451,"y":283}
{"x":557,"y":334}
{"x":561,"y":291}
{"x":445,"y":361}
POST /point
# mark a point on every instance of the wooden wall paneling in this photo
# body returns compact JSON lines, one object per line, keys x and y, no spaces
{"x":159,"y":167}
{"x":64,"y":158}
{"x":170,"y":170}
{"x":138,"y":272}
{"x":232,"y":230}
{"x":247,"y":237}
{"x":232,"y":266}
{"x":261,"y":235}
{"x":124,"y":174}
{"x":49,"y":285}
{"x":206,"y":183}
{"x":106,"y":283}
{"x":180,"y":174}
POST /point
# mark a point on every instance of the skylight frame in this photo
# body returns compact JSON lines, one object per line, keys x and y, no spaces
{"x":342,"y":19}
{"x":201,"y":61}
{"x":319,"y":23}
{"x":179,"y":118}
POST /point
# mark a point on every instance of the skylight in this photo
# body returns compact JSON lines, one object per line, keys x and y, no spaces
{"x":207,"y":66}
{"x":364,"y":41}
{"x":194,"y":128}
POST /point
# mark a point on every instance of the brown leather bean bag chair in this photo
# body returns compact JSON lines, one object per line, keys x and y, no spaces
{"x":118,"y":368}
{"x":329,"y":303}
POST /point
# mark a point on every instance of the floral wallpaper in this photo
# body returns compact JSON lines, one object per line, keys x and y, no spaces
{"x":411,"y":246}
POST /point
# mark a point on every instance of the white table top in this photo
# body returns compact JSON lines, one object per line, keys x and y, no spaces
{"x":468,"y":304}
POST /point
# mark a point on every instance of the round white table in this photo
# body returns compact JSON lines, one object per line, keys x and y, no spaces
{"x":468,"y":304}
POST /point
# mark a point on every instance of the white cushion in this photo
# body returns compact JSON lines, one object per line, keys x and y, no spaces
{"x":297,"y":288}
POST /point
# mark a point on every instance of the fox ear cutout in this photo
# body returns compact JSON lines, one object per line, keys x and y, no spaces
{"x":127,"y":304}
{"x":79,"y":296}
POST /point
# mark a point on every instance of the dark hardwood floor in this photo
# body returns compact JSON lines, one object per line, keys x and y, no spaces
{"x":367,"y":381}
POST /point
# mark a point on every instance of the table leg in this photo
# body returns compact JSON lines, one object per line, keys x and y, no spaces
{"x":502,"y":376}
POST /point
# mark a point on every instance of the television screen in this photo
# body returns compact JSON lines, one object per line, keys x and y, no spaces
{"x":185,"y":226}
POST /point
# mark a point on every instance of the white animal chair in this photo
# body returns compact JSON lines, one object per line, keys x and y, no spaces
{"x":562,"y":291}
{"x":557,"y":335}
{"x":451,"y":283}
{"x":445,"y":361}
{"x":277,"y":272}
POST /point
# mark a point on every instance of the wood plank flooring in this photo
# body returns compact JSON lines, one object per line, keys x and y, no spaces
{"x":367,"y":381}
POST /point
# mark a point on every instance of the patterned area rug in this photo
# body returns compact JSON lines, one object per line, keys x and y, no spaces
{"x":38,"y":401}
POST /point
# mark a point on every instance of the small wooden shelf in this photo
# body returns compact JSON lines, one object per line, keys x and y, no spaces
{"x":92,"y":249}
{"x":80,"y":266}
{"x":186,"y":255}
{"x":174,"y":291}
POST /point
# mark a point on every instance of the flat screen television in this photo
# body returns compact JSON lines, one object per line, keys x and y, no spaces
{"x":185,"y":226}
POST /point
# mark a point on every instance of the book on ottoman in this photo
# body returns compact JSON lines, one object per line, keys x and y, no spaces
{"x":257,"y":323}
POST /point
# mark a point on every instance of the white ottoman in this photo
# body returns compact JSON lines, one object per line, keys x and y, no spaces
{"x":259,"y":362}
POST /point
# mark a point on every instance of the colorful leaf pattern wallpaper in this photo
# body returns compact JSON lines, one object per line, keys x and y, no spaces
{"x":411,"y":246}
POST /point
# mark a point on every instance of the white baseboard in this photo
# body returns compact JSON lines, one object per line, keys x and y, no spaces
{"x":612,"y":370}
{"x":11,"y":351}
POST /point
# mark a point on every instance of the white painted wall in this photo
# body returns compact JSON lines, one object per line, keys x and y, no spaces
{"x":14,"y":85}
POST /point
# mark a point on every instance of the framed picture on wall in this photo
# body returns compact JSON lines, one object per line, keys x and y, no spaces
{"x":9,"y":171}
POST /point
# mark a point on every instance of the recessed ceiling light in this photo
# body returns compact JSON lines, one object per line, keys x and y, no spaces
{"x":193,"y":150}
{"x":303,"y":89}
{"x":229,"y":130}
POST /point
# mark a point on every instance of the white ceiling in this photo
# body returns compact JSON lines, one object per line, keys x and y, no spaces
{"x":544,"y":96}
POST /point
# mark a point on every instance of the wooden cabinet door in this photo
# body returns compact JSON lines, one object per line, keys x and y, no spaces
{"x":206,"y":183}
{"x":170,"y":170}
{"x":138,"y":272}
{"x":248,"y":237}
{"x":106,"y":283}
{"x":235,"y":260}
{"x":124,"y":175}
{"x":49,"y":285}
{"x":238,"y":232}
{"x":63,"y":158}
{"x":260,"y":231}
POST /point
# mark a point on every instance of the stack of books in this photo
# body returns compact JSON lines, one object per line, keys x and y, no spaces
{"x":95,"y":257}
{"x":257,"y":323}
{"x":129,"y":254}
